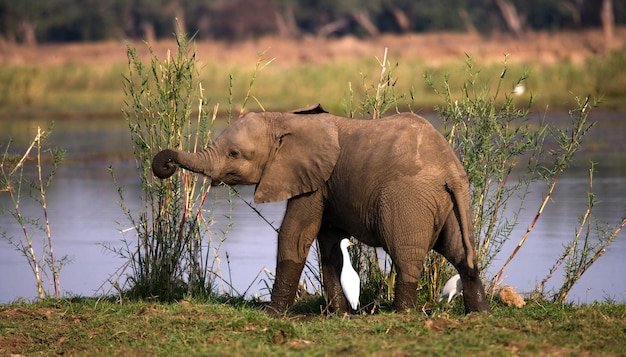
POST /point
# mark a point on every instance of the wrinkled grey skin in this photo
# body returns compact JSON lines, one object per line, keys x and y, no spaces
{"x":393,"y":183}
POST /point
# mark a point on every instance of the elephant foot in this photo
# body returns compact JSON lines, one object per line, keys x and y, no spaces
{"x":474,"y":297}
{"x":336,"y":301}
{"x":405,"y":296}
{"x":476,"y":303}
{"x":340,"y":310}
{"x":273,"y":310}
{"x":481,"y":307}
{"x":285,"y":286}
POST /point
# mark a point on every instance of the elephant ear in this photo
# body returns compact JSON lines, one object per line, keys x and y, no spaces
{"x":307,"y":148}
{"x":313,"y":109}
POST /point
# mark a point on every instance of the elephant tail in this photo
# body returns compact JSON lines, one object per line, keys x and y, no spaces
{"x":462,"y":209}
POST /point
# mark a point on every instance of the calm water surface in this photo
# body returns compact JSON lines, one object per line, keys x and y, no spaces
{"x":84,"y":215}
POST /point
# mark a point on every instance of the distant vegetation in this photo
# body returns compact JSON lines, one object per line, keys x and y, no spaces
{"x":34,"y":21}
{"x":84,"y":90}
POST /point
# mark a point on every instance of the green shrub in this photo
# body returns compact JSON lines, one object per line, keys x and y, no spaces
{"x":172,"y":252}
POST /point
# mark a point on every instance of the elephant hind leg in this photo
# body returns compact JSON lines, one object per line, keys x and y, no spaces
{"x":407,"y":240}
{"x":331,"y":259}
{"x":451,"y":246}
{"x":409,"y":260}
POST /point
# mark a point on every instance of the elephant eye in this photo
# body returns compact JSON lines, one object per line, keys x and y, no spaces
{"x":233,"y":154}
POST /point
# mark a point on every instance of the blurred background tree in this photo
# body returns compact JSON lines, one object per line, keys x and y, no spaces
{"x":34,"y":21}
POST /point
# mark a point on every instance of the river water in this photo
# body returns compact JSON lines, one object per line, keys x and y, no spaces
{"x":84,"y":215}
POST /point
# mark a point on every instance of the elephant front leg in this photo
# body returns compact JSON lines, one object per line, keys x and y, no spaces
{"x":285,"y":286}
{"x":299,"y":228}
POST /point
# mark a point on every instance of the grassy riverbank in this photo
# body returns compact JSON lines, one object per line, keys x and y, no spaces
{"x":88,"y":327}
{"x":86,"y":79}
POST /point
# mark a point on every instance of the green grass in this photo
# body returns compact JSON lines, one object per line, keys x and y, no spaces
{"x":81,"y":90}
{"x":89,"y":327}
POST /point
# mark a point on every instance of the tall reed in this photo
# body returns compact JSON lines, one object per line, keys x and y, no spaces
{"x":19,"y":187}
{"x":591,"y":239}
{"x":172,"y":251}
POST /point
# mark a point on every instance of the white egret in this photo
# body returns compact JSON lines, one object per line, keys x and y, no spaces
{"x":451,"y":288}
{"x":350,"y":281}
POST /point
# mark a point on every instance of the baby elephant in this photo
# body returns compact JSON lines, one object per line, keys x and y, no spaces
{"x":393,"y":183}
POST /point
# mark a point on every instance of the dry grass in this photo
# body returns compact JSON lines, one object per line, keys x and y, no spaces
{"x":432,"y":48}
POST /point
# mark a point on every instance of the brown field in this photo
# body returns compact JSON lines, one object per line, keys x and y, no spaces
{"x":433,"y":48}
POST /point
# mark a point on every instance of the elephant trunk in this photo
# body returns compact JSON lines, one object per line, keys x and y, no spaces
{"x":165,"y":163}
